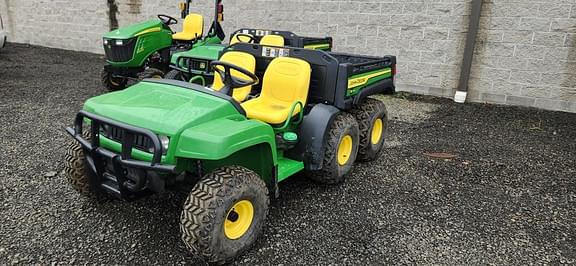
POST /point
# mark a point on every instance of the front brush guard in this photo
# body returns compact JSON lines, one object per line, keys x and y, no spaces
{"x":95,"y":154}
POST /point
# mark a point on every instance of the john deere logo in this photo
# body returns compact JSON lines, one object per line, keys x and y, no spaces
{"x":140,"y":49}
{"x":356,"y":82}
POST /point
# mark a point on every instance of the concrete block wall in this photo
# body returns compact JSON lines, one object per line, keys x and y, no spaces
{"x":74,"y":25}
{"x":525,"y":54}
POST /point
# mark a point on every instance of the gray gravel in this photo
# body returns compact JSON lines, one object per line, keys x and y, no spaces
{"x":508,"y":197}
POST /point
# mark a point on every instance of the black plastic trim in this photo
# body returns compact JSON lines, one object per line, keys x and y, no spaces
{"x":312,"y":134}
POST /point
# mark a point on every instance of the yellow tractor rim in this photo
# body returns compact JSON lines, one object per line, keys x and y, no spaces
{"x":113,"y":82}
{"x":238,"y":219}
{"x":377,"y":131}
{"x":344,"y":150}
{"x":157,"y":77}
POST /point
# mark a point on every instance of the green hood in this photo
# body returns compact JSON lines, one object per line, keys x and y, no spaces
{"x":163,"y":108}
{"x":134,"y":29}
{"x":208,"y":52}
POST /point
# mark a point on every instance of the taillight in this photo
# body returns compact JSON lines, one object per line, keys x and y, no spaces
{"x":394,"y":70}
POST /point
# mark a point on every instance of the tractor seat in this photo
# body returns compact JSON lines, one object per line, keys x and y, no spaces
{"x":286,"y":81}
{"x":243,"y":39}
{"x":193,"y":28}
{"x":272,"y":40}
{"x":243,"y":60}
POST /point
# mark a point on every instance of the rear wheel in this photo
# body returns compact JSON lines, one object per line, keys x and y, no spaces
{"x":112,"y":83}
{"x":341,"y":147}
{"x":224,"y":213}
{"x":372,"y":119}
{"x":151,"y":73}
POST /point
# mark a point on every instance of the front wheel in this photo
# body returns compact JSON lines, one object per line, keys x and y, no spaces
{"x":112,"y":83}
{"x":175,"y":74}
{"x":78,"y":172}
{"x":224,"y":214}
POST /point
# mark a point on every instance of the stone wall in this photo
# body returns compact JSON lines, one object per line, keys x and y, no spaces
{"x":525,"y":54}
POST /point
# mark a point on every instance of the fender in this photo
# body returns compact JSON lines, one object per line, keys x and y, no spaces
{"x":312,"y":135}
{"x":222,"y":137}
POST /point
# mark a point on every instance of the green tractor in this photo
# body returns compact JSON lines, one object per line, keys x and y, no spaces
{"x":194,"y":65}
{"x":308,"y":111}
{"x":143,"y":50}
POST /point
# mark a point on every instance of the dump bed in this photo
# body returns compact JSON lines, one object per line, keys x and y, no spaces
{"x":338,"y":79}
{"x":290,"y":39}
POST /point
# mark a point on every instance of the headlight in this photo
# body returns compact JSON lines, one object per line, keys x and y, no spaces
{"x":165,"y":141}
{"x":119,"y":42}
{"x":105,"y":41}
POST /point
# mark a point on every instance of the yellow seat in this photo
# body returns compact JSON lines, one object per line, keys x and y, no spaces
{"x":243,"y":60}
{"x":286,"y":82}
{"x":193,"y":28}
{"x":273,"y":40}
{"x":243,"y":39}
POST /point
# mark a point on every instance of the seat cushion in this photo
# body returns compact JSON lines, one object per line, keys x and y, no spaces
{"x":193,"y":28}
{"x":273,"y":40}
{"x":269,"y":112}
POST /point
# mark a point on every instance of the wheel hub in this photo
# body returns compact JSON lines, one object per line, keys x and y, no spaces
{"x":239,"y":219}
{"x":344,"y":150}
{"x":377,"y":129}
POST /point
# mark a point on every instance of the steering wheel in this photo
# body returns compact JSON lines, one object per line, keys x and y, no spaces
{"x":250,"y":38}
{"x":167,"y":20}
{"x":231,"y":82}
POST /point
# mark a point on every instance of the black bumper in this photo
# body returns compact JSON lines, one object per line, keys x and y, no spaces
{"x":114,"y":178}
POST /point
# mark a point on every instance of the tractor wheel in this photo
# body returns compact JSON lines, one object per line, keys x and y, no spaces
{"x":372,"y":119}
{"x":78,"y":172}
{"x":341,"y":147}
{"x":112,"y":83}
{"x":151,"y":73}
{"x":224,"y":214}
{"x":174,"y":74}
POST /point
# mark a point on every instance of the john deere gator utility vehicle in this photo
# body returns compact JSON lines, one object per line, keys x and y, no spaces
{"x":143,"y":50}
{"x":309,"y":112}
{"x":194,"y":65}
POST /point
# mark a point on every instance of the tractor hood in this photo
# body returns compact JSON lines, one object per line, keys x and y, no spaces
{"x":208,"y":52}
{"x":135,"y":30}
{"x":164,"y":106}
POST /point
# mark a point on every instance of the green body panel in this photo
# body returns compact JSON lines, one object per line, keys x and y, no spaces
{"x":209,"y":52}
{"x":373,"y":77}
{"x":218,"y":138}
{"x":200,"y":127}
{"x":287,"y":168}
{"x":152,"y":37}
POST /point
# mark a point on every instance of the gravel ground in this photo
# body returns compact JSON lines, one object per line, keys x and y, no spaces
{"x":508,"y":196}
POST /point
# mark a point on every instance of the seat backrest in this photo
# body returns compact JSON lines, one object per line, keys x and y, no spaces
{"x":193,"y":24}
{"x":286,"y":81}
{"x":243,"y":60}
{"x":242,"y":38}
{"x":273,"y":40}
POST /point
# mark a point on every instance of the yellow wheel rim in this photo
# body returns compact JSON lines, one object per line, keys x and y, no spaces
{"x":344,"y":150}
{"x":377,"y":131}
{"x":238,"y":219}
{"x":157,"y":77}
{"x":113,"y":82}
